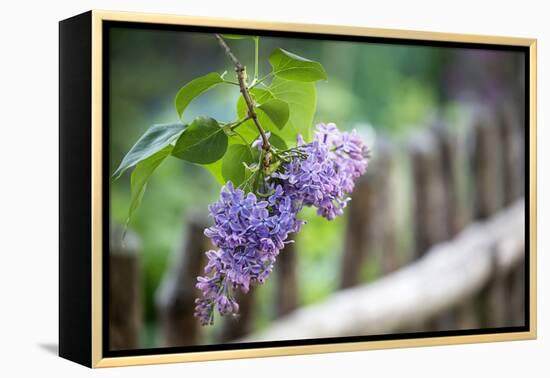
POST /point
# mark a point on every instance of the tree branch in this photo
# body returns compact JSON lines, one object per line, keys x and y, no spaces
{"x":240,"y":69}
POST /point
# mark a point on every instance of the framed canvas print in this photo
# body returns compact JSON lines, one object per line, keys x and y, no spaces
{"x":235,"y":189}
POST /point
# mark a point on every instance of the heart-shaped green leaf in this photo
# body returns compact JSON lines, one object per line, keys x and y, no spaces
{"x":302,"y":100}
{"x":293,"y":67}
{"x":233,"y":168}
{"x":277,"y":111}
{"x":195,"y":88}
{"x":155,"y":139}
{"x":141,"y":174}
{"x":216,"y":168}
{"x":203,"y":142}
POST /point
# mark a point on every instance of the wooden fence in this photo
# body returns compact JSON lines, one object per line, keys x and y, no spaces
{"x":461,"y":266}
{"x":476,"y":262}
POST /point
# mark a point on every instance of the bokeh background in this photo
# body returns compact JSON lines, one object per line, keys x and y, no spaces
{"x":446,"y":129}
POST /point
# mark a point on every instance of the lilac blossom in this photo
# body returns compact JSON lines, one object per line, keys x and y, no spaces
{"x":249,"y":232}
{"x":326,"y":174}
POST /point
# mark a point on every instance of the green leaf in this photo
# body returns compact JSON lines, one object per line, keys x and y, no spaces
{"x":203,"y":142}
{"x":195,"y":88}
{"x":141,"y":174}
{"x":302,"y":100}
{"x":277,"y":142}
{"x":233,"y":168}
{"x":277,"y":111}
{"x":293,"y":67}
{"x":155,"y":139}
{"x":260,"y":96}
{"x":216,"y":168}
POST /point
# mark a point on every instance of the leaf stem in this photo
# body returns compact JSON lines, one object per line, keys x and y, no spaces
{"x":264,"y":78}
{"x":240,"y":70}
{"x":239,"y":122}
{"x":230,"y":82}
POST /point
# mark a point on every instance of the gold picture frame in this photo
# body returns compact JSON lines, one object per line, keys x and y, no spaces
{"x":95,"y":20}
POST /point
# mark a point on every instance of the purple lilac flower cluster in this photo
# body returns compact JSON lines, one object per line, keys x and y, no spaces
{"x":250,"y":232}
{"x":326,"y":175}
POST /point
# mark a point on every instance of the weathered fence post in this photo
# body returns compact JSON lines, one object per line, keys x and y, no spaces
{"x":498,"y":177}
{"x":177,"y":293}
{"x":513,"y":140}
{"x":512,"y":151}
{"x":125,"y":296}
{"x":287,"y":285}
{"x":487,"y":166}
{"x":453,"y":156}
{"x":357,"y":226}
{"x":436,"y":198}
{"x":430,"y":198}
{"x":367,"y":216}
{"x":504,"y":296}
{"x":453,"y":151}
{"x":513,"y":156}
{"x":456,"y":217}
{"x":493,"y":301}
{"x":516,"y":289}
{"x":389,"y":249}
